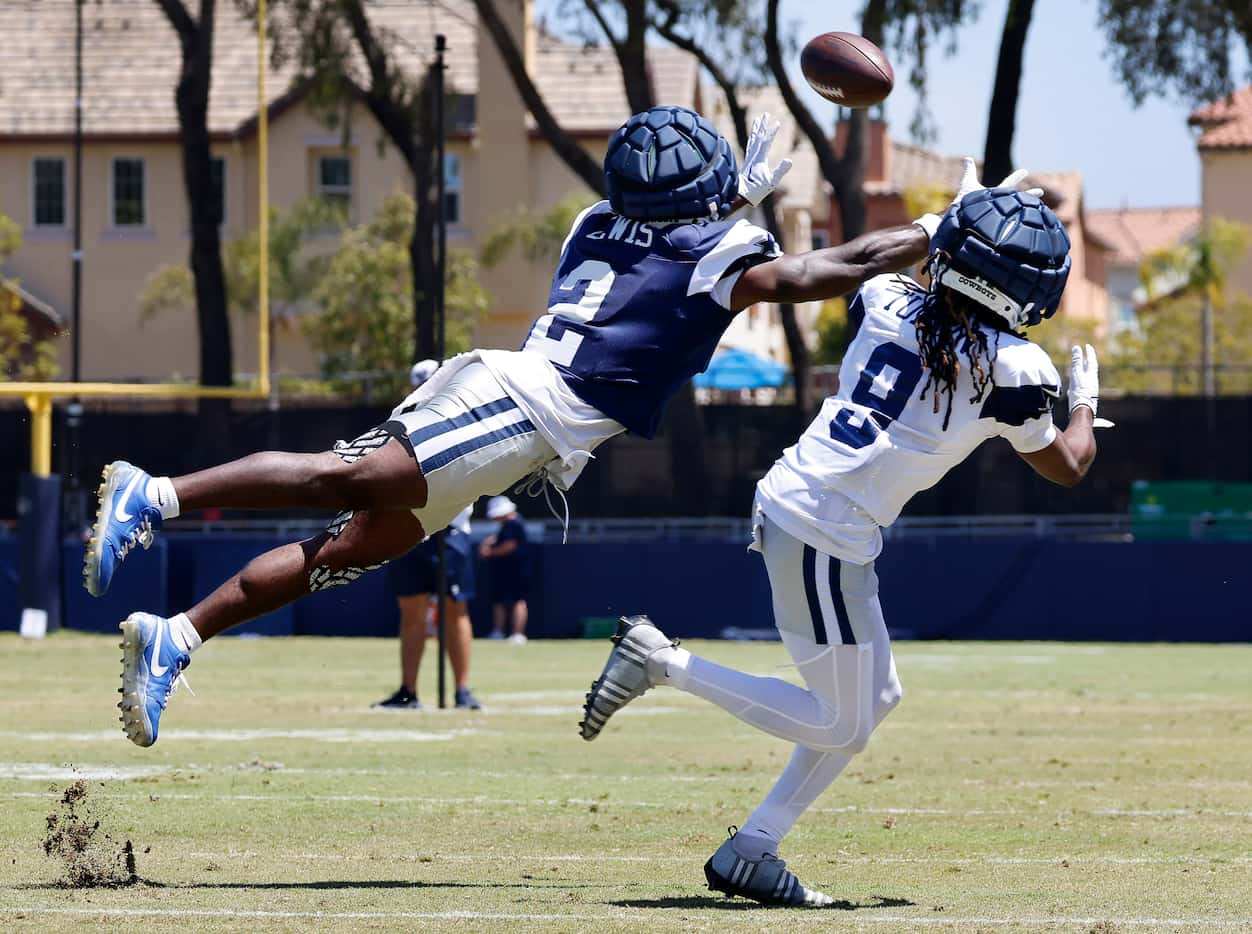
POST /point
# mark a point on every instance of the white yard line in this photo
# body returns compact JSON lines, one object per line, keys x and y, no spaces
{"x":838,"y":860}
{"x":607,"y":803}
{"x":66,"y":772}
{"x":333,"y":735}
{"x":631,"y":914}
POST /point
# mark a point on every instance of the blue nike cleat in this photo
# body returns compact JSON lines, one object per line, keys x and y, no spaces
{"x":152,"y":666}
{"x":124,"y":519}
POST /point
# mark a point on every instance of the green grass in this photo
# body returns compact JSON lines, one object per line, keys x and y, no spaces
{"x":1049,"y":786}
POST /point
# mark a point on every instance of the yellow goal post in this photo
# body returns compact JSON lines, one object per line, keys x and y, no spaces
{"x":39,"y":395}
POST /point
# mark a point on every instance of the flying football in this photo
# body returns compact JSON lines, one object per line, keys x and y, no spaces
{"x":847,"y":69}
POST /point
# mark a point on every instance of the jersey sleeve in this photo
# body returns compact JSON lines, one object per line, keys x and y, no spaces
{"x":1020,"y":402}
{"x":717,"y":271}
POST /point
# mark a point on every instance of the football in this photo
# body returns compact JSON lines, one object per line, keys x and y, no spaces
{"x":847,"y":69}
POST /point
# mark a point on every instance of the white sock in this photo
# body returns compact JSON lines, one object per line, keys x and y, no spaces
{"x":184,"y":634}
{"x":807,"y":775}
{"x":160,"y":490}
{"x":770,"y":704}
{"x":668,"y":666}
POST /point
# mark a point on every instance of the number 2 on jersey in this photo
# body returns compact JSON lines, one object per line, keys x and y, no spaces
{"x":887,"y":381}
{"x":549,"y":335}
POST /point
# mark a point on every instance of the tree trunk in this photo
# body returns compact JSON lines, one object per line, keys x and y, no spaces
{"x":192,"y":100}
{"x":573,"y":155}
{"x":636,"y":77}
{"x":797,"y":349}
{"x":1002,"y":119}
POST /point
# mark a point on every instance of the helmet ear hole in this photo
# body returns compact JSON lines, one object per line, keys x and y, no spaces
{"x":669,"y":163}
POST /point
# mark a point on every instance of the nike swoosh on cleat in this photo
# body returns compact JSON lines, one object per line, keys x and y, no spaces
{"x":158,"y":670}
{"x":119,"y":510}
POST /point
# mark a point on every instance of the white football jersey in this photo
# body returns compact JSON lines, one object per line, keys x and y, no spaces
{"x":877,"y":442}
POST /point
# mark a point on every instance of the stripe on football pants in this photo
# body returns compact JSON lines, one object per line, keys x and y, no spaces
{"x":811,"y":595}
{"x":448,"y":455}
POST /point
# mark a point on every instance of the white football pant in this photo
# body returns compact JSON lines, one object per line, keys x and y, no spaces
{"x":830,"y":620}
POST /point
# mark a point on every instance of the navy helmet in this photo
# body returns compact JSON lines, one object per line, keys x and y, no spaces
{"x":1006,"y":250}
{"x":669,"y":163}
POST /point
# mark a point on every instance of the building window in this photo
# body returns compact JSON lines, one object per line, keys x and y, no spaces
{"x":334,"y":181}
{"x":128,"y":193}
{"x":217,"y":178}
{"x":452,"y":188}
{"x":821,"y":239}
{"x":49,"y":192}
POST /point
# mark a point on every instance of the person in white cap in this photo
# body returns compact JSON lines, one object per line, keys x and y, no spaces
{"x":509,"y":560}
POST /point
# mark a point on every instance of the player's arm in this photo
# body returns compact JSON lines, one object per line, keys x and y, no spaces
{"x":829,"y":273}
{"x":1068,"y":458}
{"x":500,"y":549}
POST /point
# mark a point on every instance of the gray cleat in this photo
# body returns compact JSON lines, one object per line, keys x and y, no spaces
{"x":625,"y":674}
{"x":765,"y":880}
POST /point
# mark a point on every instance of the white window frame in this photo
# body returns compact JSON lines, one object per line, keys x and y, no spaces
{"x":65,"y":193}
{"x":113,"y":224}
{"x":451,"y":159}
{"x":332,"y":192}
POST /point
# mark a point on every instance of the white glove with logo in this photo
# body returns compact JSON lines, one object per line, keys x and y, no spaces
{"x":757,"y":179}
{"x":970,"y":183}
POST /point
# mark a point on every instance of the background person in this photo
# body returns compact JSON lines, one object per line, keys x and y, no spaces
{"x":509,"y":553}
{"x":415,"y":579}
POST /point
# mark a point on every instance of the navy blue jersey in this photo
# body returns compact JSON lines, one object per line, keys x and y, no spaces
{"x":637,"y":309}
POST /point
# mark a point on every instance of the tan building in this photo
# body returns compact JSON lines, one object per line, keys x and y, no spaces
{"x":1133,"y":233}
{"x":134,"y":213}
{"x":1225,"y":145}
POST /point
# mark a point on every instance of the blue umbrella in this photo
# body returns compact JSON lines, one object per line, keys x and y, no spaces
{"x":739,"y":369}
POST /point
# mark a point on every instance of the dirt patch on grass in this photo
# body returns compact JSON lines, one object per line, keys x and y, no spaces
{"x":90,"y":857}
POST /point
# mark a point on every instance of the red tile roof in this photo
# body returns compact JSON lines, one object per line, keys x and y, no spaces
{"x":1227,"y":122}
{"x":1134,"y":232}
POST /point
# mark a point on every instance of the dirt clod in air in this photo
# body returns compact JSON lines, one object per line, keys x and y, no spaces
{"x":90,"y":856}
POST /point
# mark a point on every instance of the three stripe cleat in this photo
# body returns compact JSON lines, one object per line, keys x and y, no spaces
{"x":765,"y":880}
{"x":625,"y":675}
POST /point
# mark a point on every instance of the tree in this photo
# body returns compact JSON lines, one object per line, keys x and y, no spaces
{"x":363,"y":327}
{"x":711,"y":33}
{"x":909,"y":24}
{"x":563,"y":143}
{"x":537,"y":236}
{"x":325,"y":34}
{"x":1156,"y":46}
{"x":21,"y":356}
{"x":1193,"y":277}
{"x":997,"y":160}
{"x":294,"y":272}
{"x":191,"y":97}
{"x":1187,"y":46}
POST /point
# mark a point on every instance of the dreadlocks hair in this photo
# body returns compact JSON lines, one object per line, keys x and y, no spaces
{"x":948,"y":328}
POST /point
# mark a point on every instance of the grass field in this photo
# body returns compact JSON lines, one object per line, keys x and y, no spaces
{"x":1019,"y":787}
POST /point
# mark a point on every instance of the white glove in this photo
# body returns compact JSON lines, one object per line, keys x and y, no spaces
{"x":1084,"y":379}
{"x":969,"y":183}
{"x":757,"y":179}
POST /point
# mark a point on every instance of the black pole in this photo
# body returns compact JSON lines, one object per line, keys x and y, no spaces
{"x":441,"y":334}
{"x":75,"y":507}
